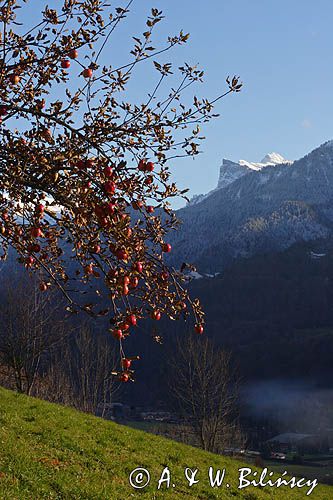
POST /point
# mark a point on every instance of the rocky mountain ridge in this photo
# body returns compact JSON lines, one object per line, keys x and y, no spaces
{"x":258,"y":208}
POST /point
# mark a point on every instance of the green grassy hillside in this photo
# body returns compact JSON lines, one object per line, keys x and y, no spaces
{"x":52,"y":452}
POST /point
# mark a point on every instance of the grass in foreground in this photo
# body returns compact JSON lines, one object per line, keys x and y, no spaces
{"x":52,"y":452}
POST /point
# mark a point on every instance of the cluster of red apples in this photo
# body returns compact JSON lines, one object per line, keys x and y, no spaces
{"x":85,"y":181}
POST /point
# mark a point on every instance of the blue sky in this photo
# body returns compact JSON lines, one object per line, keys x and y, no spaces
{"x":283,"y":54}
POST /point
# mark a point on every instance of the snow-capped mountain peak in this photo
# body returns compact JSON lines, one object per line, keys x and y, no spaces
{"x":268,"y":160}
{"x":230,"y":171}
{"x":258,"y":208}
{"x":274,"y":159}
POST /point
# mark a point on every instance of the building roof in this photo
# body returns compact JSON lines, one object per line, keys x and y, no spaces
{"x":289,"y":438}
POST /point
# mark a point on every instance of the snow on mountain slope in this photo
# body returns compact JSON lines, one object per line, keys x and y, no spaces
{"x":274,"y":158}
{"x":230,"y":171}
{"x":268,"y":160}
{"x":258,"y":208}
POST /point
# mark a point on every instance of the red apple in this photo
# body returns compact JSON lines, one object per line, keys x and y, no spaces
{"x":65,"y":63}
{"x":36,"y":232}
{"x":156,"y":315}
{"x":134,"y":282}
{"x":138,"y":267}
{"x":110,"y":208}
{"x":166,"y":247}
{"x":108,"y":171}
{"x":142,"y":165}
{"x":117,"y":333}
{"x":14,"y":79}
{"x":43,"y":287}
{"x":132,"y":319}
{"x":109,"y":187}
{"x":149,"y":166}
{"x":29,"y":260}
{"x":124,"y":326}
{"x":36,"y":248}
{"x":126,"y":363}
{"x":199,"y":328}
{"x":96,"y":249}
{"x":121,"y":254}
{"x":149,"y":180}
{"x":150,"y":209}
{"x":87,"y":73}
{"x":124,"y":377}
{"x":73,"y":54}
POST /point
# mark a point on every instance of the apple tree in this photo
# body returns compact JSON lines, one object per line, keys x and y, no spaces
{"x":84,"y":172}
